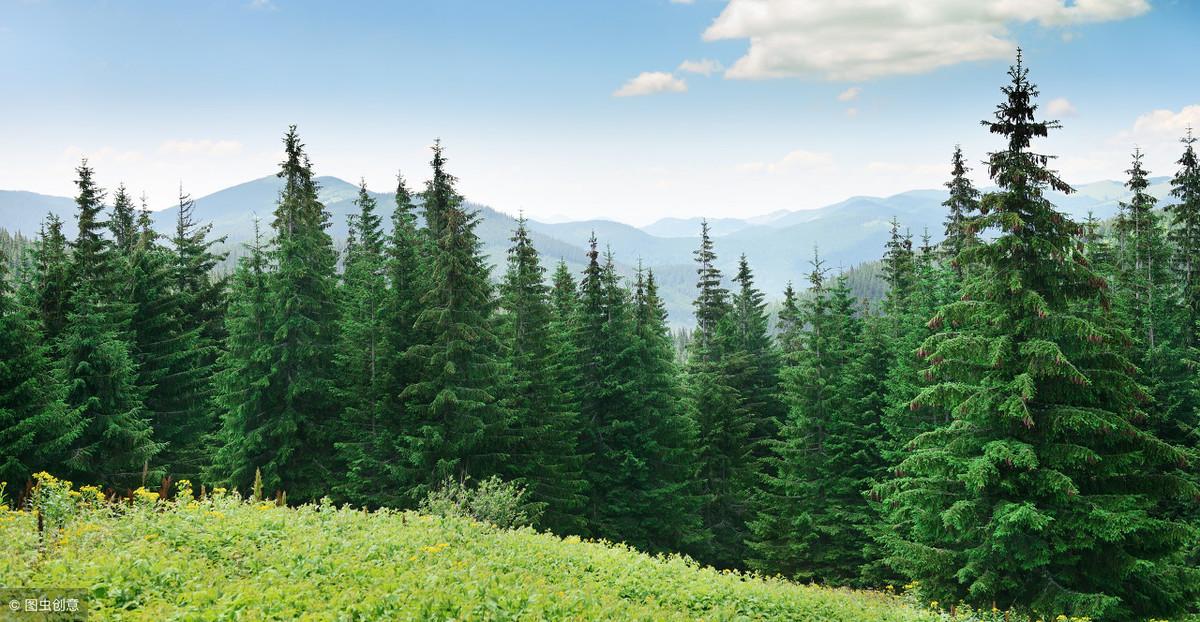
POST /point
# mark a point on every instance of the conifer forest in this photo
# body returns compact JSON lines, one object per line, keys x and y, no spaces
{"x":1013,"y":426}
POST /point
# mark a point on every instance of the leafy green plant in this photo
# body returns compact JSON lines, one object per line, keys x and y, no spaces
{"x":493,"y":500}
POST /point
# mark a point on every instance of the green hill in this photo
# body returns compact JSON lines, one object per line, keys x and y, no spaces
{"x":225,"y":559}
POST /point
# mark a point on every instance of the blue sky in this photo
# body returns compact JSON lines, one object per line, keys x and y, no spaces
{"x":542,"y":109}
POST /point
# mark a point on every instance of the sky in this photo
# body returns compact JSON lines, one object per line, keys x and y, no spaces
{"x":630,"y":110}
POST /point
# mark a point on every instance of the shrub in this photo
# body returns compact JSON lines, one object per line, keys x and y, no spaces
{"x":492,"y":500}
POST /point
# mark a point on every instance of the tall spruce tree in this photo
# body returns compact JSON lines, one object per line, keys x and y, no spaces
{"x":291,"y":431}
{"x":813,"y":518}
{"x":1185,"y":235}
{"x":753,"y":362}
{"x":243,"y":391}
{"x":378,"y":472}
{"x":361,"y":349}
{"x":456,"y":425}
{"x":174,"y":386}
{"x":46,"y":286}
{"x":37,"y":429}
{"x":961,"y":205}
{"x":1029,"y":497}
{"x":545,"y":454}
{"x":726,"y":426}
{"x":117,"y":446}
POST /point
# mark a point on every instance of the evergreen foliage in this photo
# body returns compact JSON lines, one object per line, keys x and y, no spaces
{"x":1040,"y":493}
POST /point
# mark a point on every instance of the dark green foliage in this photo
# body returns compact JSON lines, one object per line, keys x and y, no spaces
{"x":636,"y":470}
{"x":1040,"y":494}
{"x":545,"y":427}
{"x":171,"y":373}
{"x":1185,"y":236}
{"x":243,"y":396}
{"x":117,"y":446}
{"x":46,"y":286}
{"x":362,"y":349}
{"x":814,"y":519}
{"x":962,"y":204}
{"x":377,"y":473}
{"x":752,"y":362}
{"x":455,"y":422}
{"x":37,"y":429}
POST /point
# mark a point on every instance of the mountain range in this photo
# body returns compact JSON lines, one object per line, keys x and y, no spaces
{"x":779,"y":245}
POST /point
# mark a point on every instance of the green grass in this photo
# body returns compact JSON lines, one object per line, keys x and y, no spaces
{"x":225,"y":559}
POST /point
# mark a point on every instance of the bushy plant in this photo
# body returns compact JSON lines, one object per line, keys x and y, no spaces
{"x":492,"y":500}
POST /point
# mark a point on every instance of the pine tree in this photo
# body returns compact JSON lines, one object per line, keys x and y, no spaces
{"x":292,"y":443}
{"x":726,"y":426}
{"x":243,"y":392}
{"x":545,"y":455}
{"x":117,"y":445}
{"x":754,"y":363}
{"x":1185,"y":235}
{"x":668,"y":440}
{"x":455,"y":422}
{"x":360,"y":357}
{"x":37,"y":430}
{"x":898,"y":271}
{"x":788,"y":325}
{"x":1029,"y":498}
{"x":377,"y":472}
{"x":47,"y":289}
{"x":962,"y":204}
{"x":813,"y":518}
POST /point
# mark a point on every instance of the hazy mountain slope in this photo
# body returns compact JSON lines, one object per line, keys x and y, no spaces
{"x":779,"y":245}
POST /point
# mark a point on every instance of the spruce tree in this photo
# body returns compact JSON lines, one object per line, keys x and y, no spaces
{"x":962,"y":204}
{"x":293,"y":443}
{"x":1185,"y":234}
{"x":361,"y":350}
{"x":545,"y":454}
{"x":37,"y":429}
{"x":243,"y":392}
{"x":813,"y":520}
{"x":377,"y":473}
{"x":753,"y":363}
{"x":455,"y":424}
{"x":46,"y":290}
{"x":726,"y":426}
{"x":1040,"y":494}
{"x":117,"y":446}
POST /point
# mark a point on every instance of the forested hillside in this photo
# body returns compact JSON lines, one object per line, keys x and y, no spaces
{"x":1010,"y":424}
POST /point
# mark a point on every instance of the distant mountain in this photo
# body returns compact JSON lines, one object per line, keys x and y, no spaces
{"x":779,"y":245}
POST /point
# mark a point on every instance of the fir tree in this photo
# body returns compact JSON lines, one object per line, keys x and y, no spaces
{"x":545,"y":454}
{"x":962,"y":204}
{"x":1185,"y":235}
{"x":813,"y":519}
{"x":361,"y":354}
{"x":455,"y":422}
{"x":378,"y":473}
{"x":117,"y":444}
{"x":243,"y":392}
{"x":1028,"y":498}
{"x":753,"y":364}
{"x":47,"y":289}
{"x":37,"y":430}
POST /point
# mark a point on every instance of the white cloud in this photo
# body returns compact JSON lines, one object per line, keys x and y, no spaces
{"x":799,"y":159}
{"x":849,"y":94}
{"x":1061,"y":107}
{"x":862,"y":39}
{"x":262,"y":5}
{"x":704,"y":66}
{"x":682,"y":1}
{"x":1165,"y":123}
{"x":650,"y":82}
{"x":852,"y":112}
{"x":204,"y":147}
